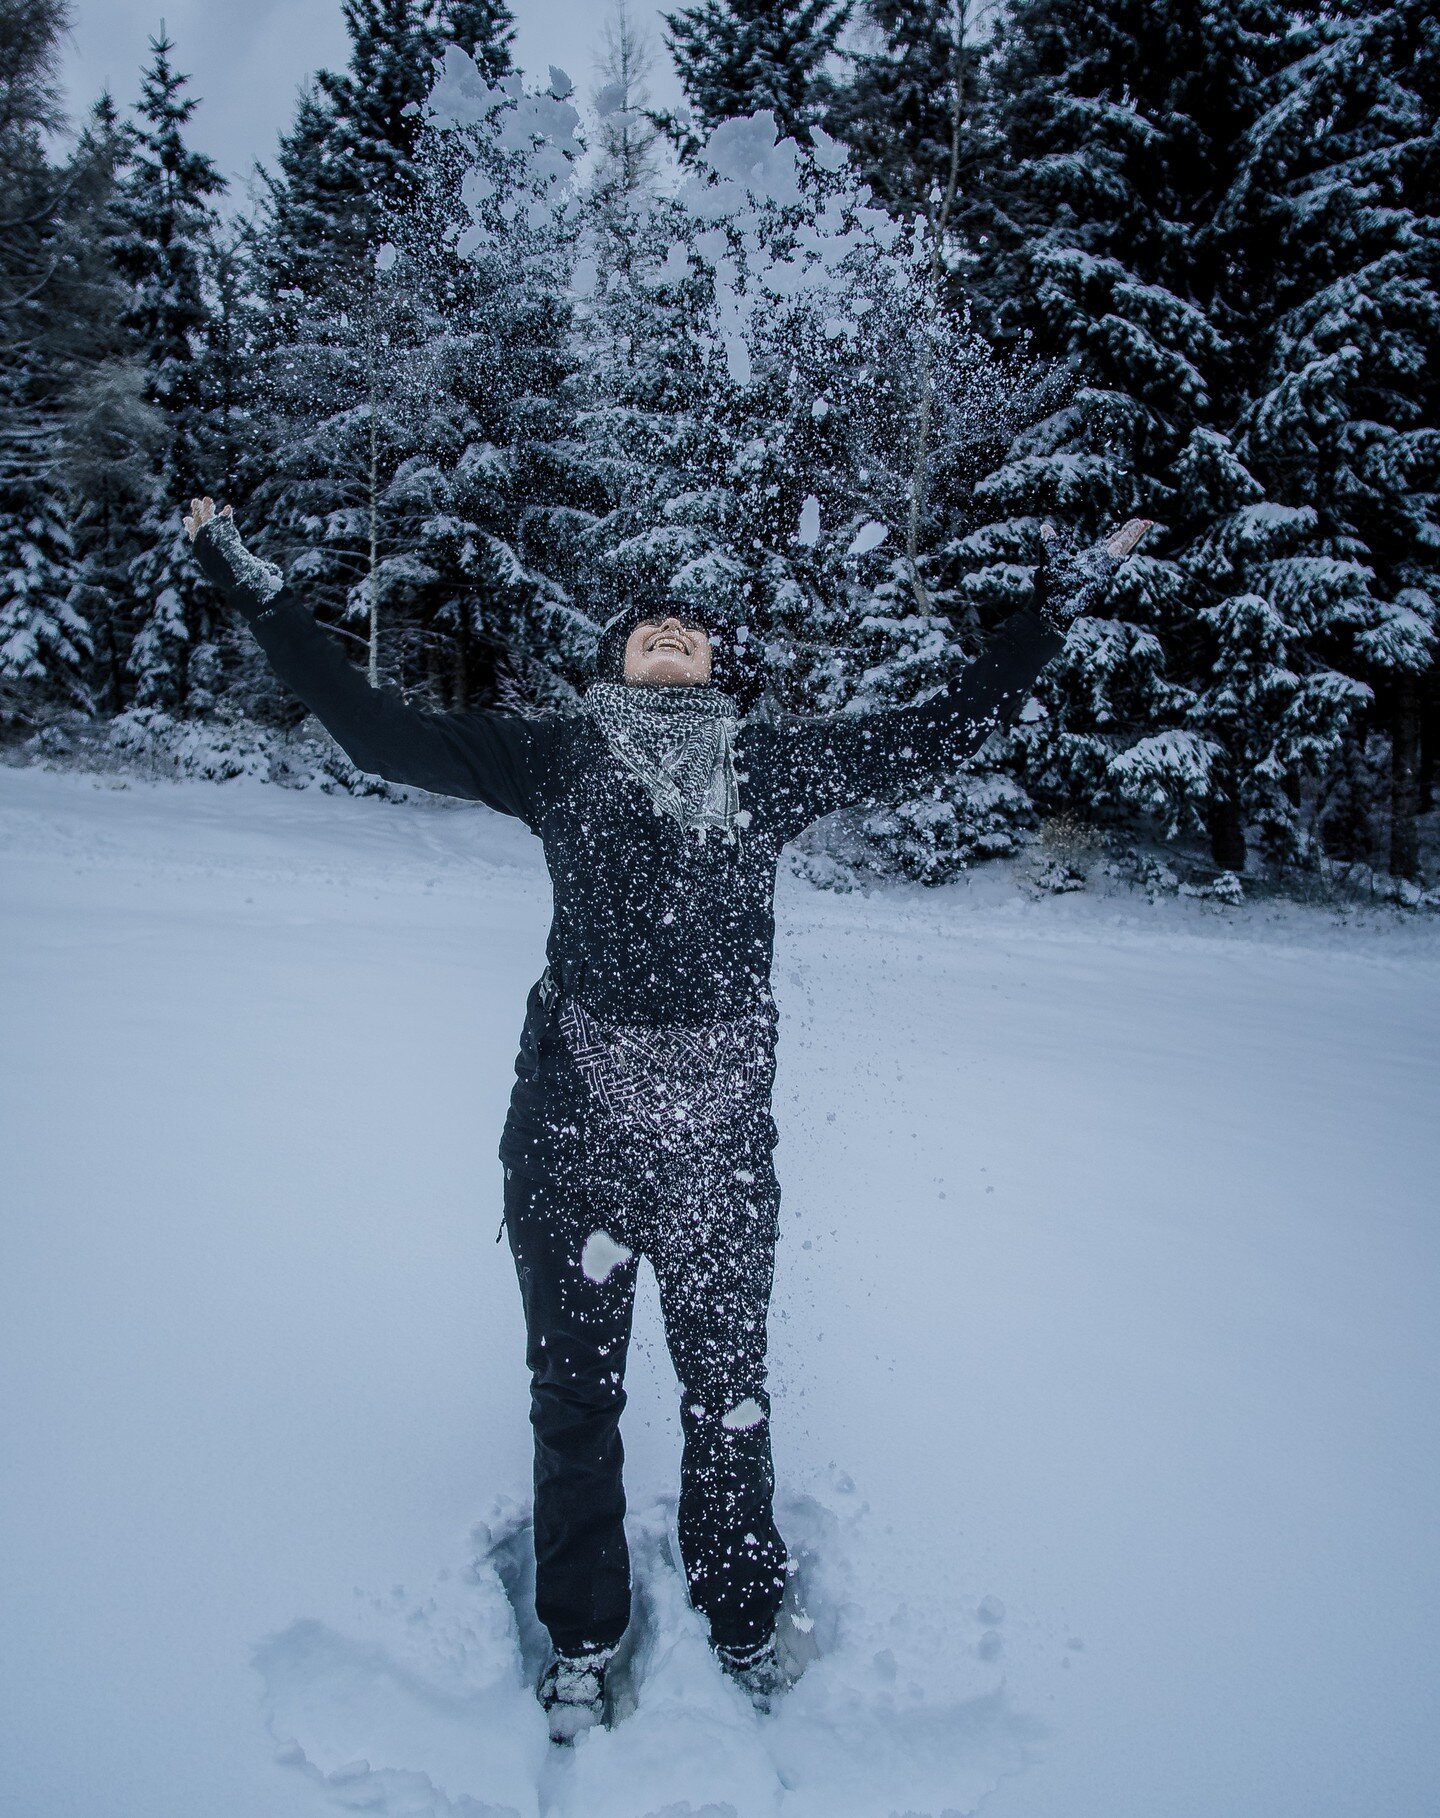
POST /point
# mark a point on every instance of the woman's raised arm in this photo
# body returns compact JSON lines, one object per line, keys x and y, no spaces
{"x":484,"y":756}
{"x":840,"y":759}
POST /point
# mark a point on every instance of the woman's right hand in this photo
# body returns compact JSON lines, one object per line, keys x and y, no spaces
{"x":1119,"y":543}
{"x":201,"y":511}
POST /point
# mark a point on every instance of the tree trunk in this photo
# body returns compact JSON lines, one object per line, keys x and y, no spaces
{"x":939,"y":225}
{"x":1226,"y":829}
{"x":374,"y":666}
{"x":115,"y":677}
{"x":1405,"y":781}
{"x":462,"y":659}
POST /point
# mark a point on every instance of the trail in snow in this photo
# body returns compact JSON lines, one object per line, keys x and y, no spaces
{"x":1104,"y":1357}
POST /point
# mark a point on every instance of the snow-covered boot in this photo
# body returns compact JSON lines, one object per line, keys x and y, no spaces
{"x":572,"y":1692}
{"x":756,"y":1670}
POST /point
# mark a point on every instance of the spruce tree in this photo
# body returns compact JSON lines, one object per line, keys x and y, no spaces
{"x":492,"y":249}
{"x":362,"y":324}
{"x":736,"y":57}
{"x":911,"y":111}
{"x":328,"y":381}
{"x":627,"y":150}
{"x":484,"y":30}
{"x":1337,"y":213}
{"x":168,"y":221}
{"x":408,"y":407}
{"x":1123,"y":127}
{"x":44,"y":644}
{"x":748,"y":397}
{"x":347,"y":167}
{"x":111,"y":433}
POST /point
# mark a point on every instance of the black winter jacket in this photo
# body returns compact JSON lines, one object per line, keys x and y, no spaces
{"x":651,"y":925}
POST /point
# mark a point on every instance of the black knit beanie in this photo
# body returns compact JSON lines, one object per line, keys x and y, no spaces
{"x":734,"y":652}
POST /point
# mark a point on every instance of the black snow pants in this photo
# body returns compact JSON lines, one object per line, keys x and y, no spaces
{"x":709,"y":1235}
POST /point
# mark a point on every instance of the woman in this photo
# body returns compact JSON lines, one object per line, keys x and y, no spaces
{"x":640,"y":1121}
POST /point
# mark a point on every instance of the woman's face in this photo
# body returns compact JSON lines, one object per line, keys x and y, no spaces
{"x":668,"y":650}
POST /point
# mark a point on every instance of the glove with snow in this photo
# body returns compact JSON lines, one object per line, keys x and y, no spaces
{"x":249,"y":583}
{"x":1070,"y":583}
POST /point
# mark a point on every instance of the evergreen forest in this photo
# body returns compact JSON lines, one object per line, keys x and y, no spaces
{"x":489,"y":352}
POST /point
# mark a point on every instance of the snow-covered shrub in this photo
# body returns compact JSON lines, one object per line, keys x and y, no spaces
{"x":826,"y":870}
{"x":1145,"y":871}
{"x":1227,"y":888}
{"x":50,"y":742}
{"x":210,"y":750}
{"x":977,"y":815}
{"x":156,"y":743}
{"x":1056,"y":878}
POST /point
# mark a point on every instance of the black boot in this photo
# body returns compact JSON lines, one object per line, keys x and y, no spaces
{"x":572,"y":1692}
{"x":756,"y":1670}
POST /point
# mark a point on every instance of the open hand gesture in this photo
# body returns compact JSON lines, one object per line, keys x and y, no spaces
{"x":1118,"y":544}
{"x":201,"y":511}
{"x":1069,"y":582}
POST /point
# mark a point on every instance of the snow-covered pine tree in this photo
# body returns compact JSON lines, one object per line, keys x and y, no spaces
{"x":496,"y":237}
{"x":484,"y":30}
{"x":110,"y":432}
{"x":1337,"y":213}
{"x":168,"y":219}
{"x":1122,"y":128}
{"x":44,"y":644}
{"x":348,"y":166}
{"x":737,"y":57}
{"x":338,"y":342}
{"x":413,"y":402}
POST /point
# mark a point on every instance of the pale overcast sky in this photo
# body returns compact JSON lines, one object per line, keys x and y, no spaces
{"x":247,"y":58}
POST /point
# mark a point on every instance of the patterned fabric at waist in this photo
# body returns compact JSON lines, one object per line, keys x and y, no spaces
{"x":667,"y":1078}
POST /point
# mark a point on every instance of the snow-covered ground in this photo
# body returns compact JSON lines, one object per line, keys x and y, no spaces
{"x":1104,"y":1345}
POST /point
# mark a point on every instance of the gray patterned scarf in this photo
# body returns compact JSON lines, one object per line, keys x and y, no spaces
{"x":679,"y":742}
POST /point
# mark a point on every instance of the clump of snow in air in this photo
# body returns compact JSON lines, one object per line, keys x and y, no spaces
{"x":808,"y":531}
{"x":869,"y":536}
{"x":602,"y":1255}
{"x":747,"y":1413}
{"x":749,"y":180}
{"x":534,"y":136}
{"x":610,"y":100}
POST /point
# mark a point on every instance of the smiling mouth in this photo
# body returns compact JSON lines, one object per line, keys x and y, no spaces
{"x":669,"y":640}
